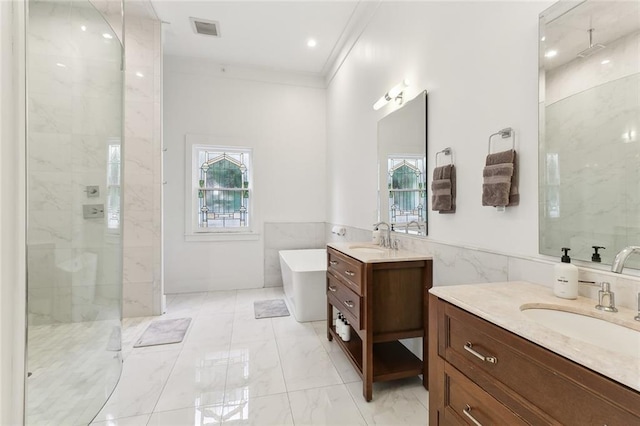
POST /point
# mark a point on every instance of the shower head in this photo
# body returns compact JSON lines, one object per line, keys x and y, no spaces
{"x":593,"y":48}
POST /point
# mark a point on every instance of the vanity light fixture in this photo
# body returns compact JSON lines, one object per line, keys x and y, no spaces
{"x":395,"y":93}
{"x":550,"y":53}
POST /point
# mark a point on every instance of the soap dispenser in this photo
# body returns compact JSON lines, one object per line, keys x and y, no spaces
{"x":566,"y":277}
{"x":595,"y":257}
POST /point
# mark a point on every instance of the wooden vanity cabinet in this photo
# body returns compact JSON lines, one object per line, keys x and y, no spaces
{"x":481,"y":370}
{"x":383,"y":302}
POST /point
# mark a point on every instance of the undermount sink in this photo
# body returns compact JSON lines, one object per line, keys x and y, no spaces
{"x":367,"y":249}
{"x":598,"y":332}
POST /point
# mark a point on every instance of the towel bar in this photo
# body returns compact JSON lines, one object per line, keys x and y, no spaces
{"x":446,"y":151}
{"x":507,"y":132}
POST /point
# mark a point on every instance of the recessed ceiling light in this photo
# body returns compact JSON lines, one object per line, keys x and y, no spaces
{"x":551,"y":53}
{"x":83,"y":28}
{"x":312,"y":43}
{"x":605,"y":62}
{"x":61,"y":65}
{"x":139,"y":74}
{"x":107,"y":36}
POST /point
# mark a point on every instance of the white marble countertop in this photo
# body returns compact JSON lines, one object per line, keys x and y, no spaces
{"x":499,"y":303}
{"x":372,"y":253}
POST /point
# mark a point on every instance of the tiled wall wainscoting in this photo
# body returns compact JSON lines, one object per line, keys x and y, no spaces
{"x":288,"y":236}
{"x":454,"y":265}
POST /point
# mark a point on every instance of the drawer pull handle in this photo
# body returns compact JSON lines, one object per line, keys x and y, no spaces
{"x":351,"y":274}
{"x":349,"y":303}
{"x":469,"y":348}
{"x":332,"y":289}
{"x":467,"y":412}
{"x":333,"y":262}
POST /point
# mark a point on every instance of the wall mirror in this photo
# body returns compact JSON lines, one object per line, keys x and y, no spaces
{"x":589,"y":116}
{"x":402,"y":179}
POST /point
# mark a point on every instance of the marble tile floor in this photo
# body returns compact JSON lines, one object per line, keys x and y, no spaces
{"x":72,"y":366}
{"x":234,"y":369}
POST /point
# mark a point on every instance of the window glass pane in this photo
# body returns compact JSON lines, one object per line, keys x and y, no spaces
{"x":113,"y":187}
{"x":223,"y":188}
{"x":224,"y":174}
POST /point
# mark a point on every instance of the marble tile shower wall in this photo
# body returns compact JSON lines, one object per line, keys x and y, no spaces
{"x":142,"y":204}
{"x":462,"y":265}
{"x":288,"y":236}
{"x":74,"y":114}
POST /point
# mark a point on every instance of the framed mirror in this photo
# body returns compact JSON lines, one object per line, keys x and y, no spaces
{"x":589,"y":156}
{"x":402,"y":159}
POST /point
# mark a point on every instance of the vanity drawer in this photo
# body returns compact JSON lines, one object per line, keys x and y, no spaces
{"x":349,"y":270}
{"x":465,"y":402}
{"x":537,"y":380}
{"x":345,"y":300}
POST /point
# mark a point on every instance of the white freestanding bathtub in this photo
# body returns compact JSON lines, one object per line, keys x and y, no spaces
{"x":304,"y":277}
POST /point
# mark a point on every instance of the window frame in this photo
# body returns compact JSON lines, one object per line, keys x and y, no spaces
{"x":193,"y":232}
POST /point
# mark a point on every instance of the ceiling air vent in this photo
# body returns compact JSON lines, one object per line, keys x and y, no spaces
{"x":205,"y":27}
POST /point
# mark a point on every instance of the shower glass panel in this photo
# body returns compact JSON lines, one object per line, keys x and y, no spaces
{"x":74,"y":238}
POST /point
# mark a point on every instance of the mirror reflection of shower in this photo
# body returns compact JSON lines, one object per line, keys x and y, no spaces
{"x":589,"y":118}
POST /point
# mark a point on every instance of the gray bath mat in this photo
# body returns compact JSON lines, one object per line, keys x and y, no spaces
{"x":164,"y":332}
{"x":270,"y":308}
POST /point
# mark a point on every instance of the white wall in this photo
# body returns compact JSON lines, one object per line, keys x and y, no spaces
{"x":12,"y":213}
{"x":479,"y":62}
{"x":282,"y":117}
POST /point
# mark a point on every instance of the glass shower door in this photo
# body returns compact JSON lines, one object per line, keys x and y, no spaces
{"x":74,"y":239}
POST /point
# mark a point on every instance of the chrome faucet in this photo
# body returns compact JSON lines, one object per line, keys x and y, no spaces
{"x":621,"y":258}
{"x":406,"y":229}
{"x":604,"y":294}
{"x":385,"y":241}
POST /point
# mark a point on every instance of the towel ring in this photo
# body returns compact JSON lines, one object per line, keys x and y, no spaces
{"x":446,"y":151}
{"x":505,"y":133}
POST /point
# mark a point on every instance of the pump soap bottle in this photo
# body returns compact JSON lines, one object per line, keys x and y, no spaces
{"x":566,"y":277}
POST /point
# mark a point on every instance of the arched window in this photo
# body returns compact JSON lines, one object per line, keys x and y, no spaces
{"x":223,"y":188}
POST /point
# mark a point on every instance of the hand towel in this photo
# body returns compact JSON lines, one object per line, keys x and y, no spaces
{"x":443,"y":189}
{"x":500,"y":186}
{"x":450,"y":173}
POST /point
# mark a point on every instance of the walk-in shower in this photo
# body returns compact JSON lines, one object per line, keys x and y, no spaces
{"x":74,"y":239}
